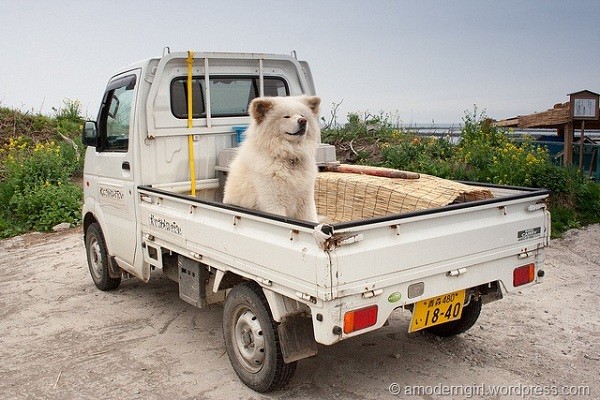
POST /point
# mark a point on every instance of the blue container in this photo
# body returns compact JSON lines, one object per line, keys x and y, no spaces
{"x":239,"y":133}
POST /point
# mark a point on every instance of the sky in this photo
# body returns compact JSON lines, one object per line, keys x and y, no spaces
{"x":419,"y":61}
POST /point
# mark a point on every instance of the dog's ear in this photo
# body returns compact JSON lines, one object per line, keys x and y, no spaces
{"x":259,"y":107}
{"x":313,"y":102}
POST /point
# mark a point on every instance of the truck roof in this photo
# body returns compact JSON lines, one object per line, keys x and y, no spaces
{"x":211,"y":55}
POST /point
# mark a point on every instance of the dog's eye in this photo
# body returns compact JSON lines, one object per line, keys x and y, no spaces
{"x":286,"y":116}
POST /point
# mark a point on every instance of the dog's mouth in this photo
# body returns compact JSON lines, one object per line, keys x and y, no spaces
{"x":299,"y":132}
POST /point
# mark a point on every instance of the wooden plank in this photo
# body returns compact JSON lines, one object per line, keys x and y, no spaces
{"x":568,"y":158}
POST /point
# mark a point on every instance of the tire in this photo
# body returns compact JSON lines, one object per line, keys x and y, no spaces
{"x":98,"y":259}
{"x":467,"y":320}
{"x":252,"y":341}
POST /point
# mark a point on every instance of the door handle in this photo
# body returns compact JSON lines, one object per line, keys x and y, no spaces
{"x":126,"y":166}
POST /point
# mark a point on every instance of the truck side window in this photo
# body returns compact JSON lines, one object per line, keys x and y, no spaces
{"x":115,"y":114}
{"x":229,"y":95}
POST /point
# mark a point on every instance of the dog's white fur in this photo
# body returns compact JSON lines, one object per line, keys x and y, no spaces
{"x":275,"y":169}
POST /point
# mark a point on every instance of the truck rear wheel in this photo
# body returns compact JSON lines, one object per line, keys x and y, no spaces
{"x":252,"y":341}
{"x":467,"y":320}
{"x":98,"y":259}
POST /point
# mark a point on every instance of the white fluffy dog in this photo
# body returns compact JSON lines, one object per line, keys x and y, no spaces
{"x":275,"y":169}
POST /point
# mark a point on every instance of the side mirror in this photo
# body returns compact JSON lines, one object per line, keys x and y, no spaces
{"x":89,"y":136}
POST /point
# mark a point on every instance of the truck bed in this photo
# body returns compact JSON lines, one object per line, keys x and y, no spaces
{"x":357,"y":255}
{"x":337,"y":266}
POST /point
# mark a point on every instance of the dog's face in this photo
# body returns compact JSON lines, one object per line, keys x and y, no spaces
{"x":293,"y":119}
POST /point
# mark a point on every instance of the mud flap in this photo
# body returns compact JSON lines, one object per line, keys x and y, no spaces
{"x":297,"y":338}
{"x":114,"y":271}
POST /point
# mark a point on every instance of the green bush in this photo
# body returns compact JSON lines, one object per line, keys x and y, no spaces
{"x":36,"y":191}
{"x":40,"y":208}
{"x":490,"y":155}
{"x":27,"y":165}
{"x":429,"y":156}
{"x":37,"y":168}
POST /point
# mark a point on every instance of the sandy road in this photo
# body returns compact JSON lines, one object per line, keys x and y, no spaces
{"x":61,"y":338}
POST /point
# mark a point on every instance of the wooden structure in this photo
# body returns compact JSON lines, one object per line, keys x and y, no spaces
{"x":580,"y":112}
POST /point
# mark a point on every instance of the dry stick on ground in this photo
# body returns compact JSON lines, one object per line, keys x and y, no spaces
{"x":57,"y":379}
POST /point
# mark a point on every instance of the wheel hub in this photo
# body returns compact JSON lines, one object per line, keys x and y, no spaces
{"x":250,"y":341}
{"x":96,"y":258}
{"x":247,"y":337}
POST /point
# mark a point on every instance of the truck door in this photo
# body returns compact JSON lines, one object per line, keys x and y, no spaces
{"x":112,"y":168}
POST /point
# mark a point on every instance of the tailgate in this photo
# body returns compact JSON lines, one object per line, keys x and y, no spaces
{"x":414,"y":246}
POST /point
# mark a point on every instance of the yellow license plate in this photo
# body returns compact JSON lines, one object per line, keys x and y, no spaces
{"x":437,"y":310}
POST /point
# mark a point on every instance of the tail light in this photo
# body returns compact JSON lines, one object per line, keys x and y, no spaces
{"x":356,"y":320}
{"x":523,"y":275}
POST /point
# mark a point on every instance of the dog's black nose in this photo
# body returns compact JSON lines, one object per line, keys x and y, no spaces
{"x":302,"y":121}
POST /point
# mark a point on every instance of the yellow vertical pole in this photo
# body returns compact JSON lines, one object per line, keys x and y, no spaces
{"x":190,"y":124}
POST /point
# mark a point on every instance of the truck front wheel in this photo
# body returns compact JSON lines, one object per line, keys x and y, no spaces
{"x":97,"y":258}
{"x":252,"y":341}
{"x":467,"y":320}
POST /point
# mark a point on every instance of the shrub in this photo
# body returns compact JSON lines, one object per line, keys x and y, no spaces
{"x":39,"y":157}
{"x":360,"y":140}
{"x":490,"y":155}
{"x":40,"y":208}
{"x":26,"y":164}
{"x":36,"y":190}
{"x":430,"y":156}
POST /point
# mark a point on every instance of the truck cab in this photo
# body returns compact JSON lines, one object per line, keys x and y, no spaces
{"x":143,"y":133}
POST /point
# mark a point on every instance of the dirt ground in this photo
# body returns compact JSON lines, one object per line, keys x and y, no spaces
{"x":61,"y":338}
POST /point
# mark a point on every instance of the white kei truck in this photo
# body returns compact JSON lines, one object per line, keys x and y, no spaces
{"x":155,"y":167}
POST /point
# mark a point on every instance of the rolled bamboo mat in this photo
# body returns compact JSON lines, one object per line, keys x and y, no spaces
{"x":344,"y":197}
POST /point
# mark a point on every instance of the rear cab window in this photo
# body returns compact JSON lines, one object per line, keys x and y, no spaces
{"x":229,"y":95}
